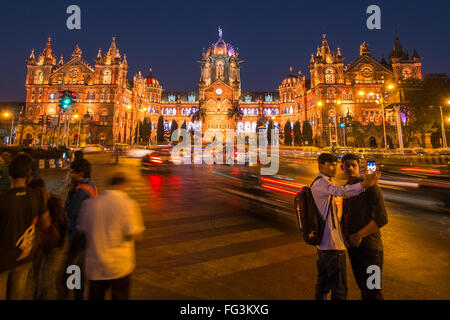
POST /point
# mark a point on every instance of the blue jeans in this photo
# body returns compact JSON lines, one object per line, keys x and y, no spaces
{"x":13,"y":282}
{"x":331,"y":275}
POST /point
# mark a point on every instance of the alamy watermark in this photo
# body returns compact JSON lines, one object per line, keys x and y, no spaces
{"x":73,"y":22}
{"x":374,"y":280}
{"x":374,"y":20}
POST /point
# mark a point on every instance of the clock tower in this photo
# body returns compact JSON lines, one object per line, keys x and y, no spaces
{"x":220,"y":83}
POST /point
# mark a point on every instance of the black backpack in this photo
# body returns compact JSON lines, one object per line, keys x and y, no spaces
{"x":308,"y":216}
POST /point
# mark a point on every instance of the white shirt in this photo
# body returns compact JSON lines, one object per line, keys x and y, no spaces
{"x":106,"y":221}
{"x":321,"y":190}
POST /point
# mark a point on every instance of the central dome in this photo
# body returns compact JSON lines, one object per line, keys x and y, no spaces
{"x":220,"y":48}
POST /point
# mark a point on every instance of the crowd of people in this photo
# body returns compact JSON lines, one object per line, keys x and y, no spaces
{"x":41,"y":239}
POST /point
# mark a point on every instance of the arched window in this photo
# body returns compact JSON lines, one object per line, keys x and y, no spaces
{"x":329,"y":75}
{"x":39,"y":77}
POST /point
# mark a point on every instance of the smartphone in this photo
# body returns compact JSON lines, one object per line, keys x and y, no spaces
{"x":371,"y":167}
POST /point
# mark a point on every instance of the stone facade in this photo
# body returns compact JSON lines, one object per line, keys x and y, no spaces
{"x":109,"y":106}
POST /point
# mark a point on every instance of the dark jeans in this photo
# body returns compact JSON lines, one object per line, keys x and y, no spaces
{"x":119,"y":288}
{"x":13,"y":282}
{"x":76,"y":256}
{"x":361,"y":259}
{"x":331,"y":275}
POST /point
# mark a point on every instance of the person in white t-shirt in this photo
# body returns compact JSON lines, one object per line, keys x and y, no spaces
{"x":111,"y":223}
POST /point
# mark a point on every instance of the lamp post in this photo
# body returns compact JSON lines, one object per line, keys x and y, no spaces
{"x":444,"y":136}
{"x":79,"y":128}
{"x":6,"y":115}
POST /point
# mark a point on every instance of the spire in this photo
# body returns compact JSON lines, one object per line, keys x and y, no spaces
{"x":117,"y":55}
{"x":125,"y":62}
{"x":318,"y":53}
{"x":61,"y":61}
{"x":220,"y":33}
{"x":416,"y":56}
{"x":339,"y":53}
{"x":112,"y":52}
{"x":99,"y":58}
{"x":77,"y":52}
{"x":290,"y":70}
{"x":398,"y":52}
{"x":325,"y":47}
{"x":364,"y":49}
{"x":32,"y":58}
{"x":48,"y":55}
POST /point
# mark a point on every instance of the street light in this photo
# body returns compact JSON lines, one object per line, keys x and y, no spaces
{"x":6,"y":115}
{"x":79,"y":128}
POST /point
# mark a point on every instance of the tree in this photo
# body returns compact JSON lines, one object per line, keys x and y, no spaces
{"x":287,"y":133}
{"x":297,"y":134}
{"x":235,"y":113}
{"x":415,"y":98}
{"x":160,"y":131}
{"x":145,"y":130}
{"x":173,"y":127}
{"x":307,"y":132}
{"x":199,"y":115}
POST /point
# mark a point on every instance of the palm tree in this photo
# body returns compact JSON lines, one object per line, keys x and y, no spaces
{"x":235,"y":113}
{"x":199,"y":115}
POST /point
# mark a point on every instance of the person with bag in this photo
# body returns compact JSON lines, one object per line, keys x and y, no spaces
{"x":331,"y":263}
{"x":23,"y":214}
{"x":82,"y":189}
{"x":52,"y":246}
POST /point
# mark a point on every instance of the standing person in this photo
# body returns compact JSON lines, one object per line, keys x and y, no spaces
{"x":363,"y":217}
{"x":331,"y":265}
{"x":82,"y":189}
{"x":22,"y":214}
{"x":49,"y":258}
{"x":111,"y":223}
{"x":5,"y":158}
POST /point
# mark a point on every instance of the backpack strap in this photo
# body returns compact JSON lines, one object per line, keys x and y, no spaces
{"x":92,"y":192}
{"x":317,"y":178}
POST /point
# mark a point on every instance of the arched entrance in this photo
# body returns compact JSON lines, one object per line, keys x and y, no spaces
{"x":373,"y":142}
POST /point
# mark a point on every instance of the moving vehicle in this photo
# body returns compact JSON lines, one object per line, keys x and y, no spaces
{"x":159,"y":159}
{"x":93,"y":148}
{"x":308,"y":151}
{"x":139,"y":151}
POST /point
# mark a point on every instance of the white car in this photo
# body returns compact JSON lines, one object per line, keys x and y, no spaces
{"x":93,"y":148}
{"x":138,"y":152}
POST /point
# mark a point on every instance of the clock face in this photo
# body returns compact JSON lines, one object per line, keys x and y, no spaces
{"x":218,"y":91}
{"x":366,"y":72}
{"x":74,"y":73}
{"x":107,"y":76}
{"x":406,"y":72}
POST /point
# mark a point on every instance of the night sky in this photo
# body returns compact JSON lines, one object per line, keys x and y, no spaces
{"x":169,"y":35}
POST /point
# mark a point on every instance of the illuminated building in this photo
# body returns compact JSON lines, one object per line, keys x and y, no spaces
{"x":110,"y":106}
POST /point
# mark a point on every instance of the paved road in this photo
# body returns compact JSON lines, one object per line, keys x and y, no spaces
{"x":203,"y":243}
